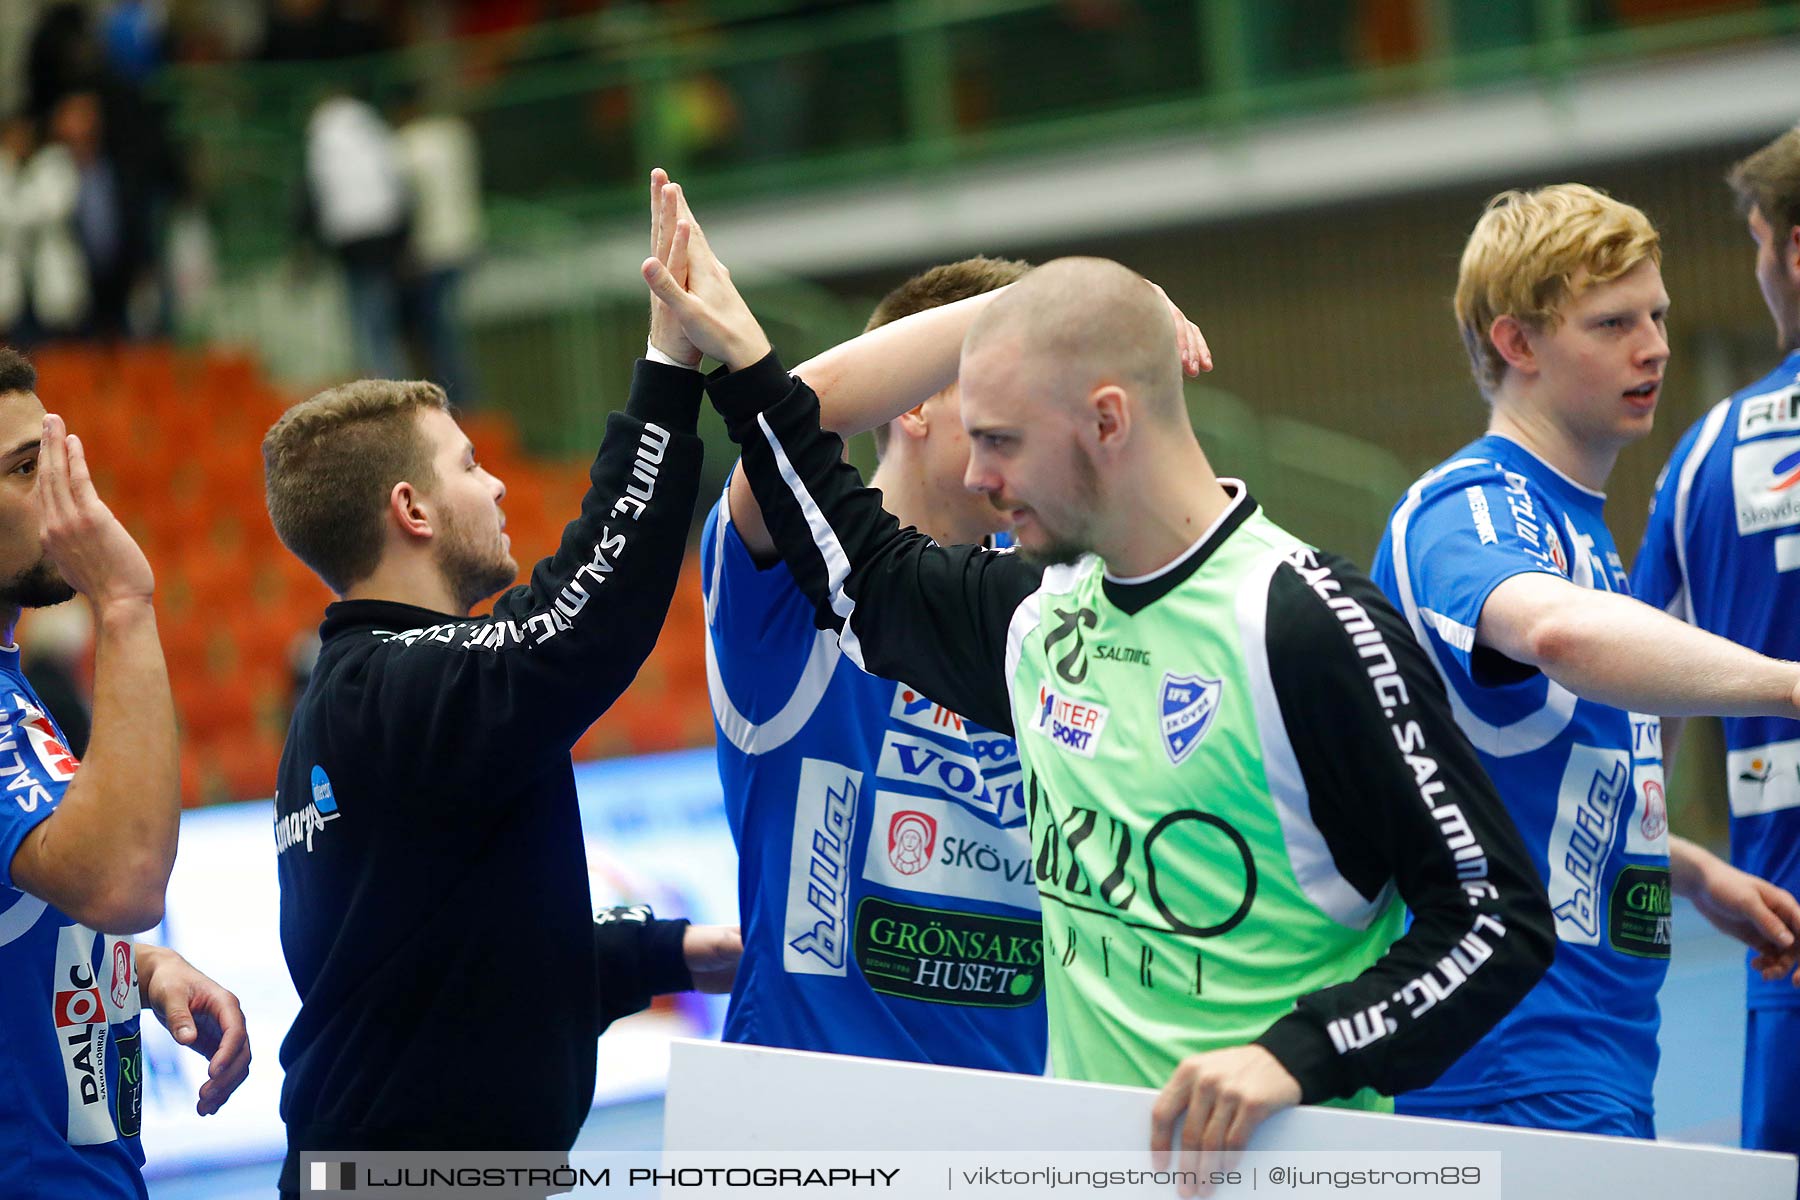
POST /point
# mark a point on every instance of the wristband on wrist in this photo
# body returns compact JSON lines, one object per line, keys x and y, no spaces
{"x":657,"y":356}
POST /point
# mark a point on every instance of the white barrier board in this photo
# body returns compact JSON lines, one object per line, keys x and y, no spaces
{"x":742,"y":1098}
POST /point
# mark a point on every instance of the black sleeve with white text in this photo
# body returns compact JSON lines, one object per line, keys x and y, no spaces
{"x":1399,"y":795}
{"x":559,"y":649}
{"x":903,"y":607}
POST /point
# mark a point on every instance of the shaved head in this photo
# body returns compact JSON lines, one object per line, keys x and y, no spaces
{"x":1074,"y":324}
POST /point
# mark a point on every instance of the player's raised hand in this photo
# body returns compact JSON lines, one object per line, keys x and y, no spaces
{"x":665,"y":329}
{"x":82,"y":538}
{"x":712,"y":315}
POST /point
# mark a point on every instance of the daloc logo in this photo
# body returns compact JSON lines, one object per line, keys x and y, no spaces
{"x":1187,"y":708}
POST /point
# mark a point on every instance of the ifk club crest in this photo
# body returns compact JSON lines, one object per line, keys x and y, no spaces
{"x":1186,"y":708}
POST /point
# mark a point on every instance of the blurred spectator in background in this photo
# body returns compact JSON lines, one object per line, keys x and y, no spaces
{"x":357,"y":208}
{"x":16,"y":145}
{"x":441,"y":163}
{"x":128,"y":174}
{"x":43,"y":279}
{"x":76,"y":127}
{"x":134,"y":38}
{"x":300,"y":30}
{"x":55,"y":657}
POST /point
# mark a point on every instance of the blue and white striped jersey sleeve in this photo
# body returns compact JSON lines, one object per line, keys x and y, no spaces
{"x":36,"y":770}
{"x":1657,"y":574}
{"x":1460,"y":533}
{"x":762,"y":649}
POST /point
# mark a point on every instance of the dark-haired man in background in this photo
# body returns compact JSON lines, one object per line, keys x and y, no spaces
{"x":85,"y":847}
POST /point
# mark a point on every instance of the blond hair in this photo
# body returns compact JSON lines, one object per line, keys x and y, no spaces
{"x":1531,"y":253}
{"x":329,"y":464}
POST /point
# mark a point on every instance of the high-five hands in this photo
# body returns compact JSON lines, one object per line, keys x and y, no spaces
{"x":666,"y":333}
{"x":687,"y":278}
{"x":696,"y":309}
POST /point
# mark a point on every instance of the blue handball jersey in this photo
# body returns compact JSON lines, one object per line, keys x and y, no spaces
{"x":71,"y":1069}
{"x":1583,"y":780}
{"x":884,"y":876}
{"x":1722,"y":551}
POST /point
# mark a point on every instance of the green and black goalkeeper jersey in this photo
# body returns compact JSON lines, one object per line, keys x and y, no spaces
{"x":1240,"y":772}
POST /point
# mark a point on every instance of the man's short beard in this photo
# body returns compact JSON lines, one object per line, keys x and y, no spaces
{"x":38,"y":586}
{"x":1062,"y":550}
{"x":471,"y":574}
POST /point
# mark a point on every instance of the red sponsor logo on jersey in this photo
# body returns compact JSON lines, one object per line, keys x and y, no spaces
{"x":121,"y":973}
{"x":912,"y":837}
{"x":54,"y":756}
{"x":1559,"y":558}
{"x":79,"y":1006}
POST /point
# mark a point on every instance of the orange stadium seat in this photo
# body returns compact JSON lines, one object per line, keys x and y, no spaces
{"x":175,"y":440}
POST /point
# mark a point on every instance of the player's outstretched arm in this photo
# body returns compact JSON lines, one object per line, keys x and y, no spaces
{"x":104,"y":855}
{"x":1616,"y":650}
{"x":1396,"y":795}
{"x":901,"y":606}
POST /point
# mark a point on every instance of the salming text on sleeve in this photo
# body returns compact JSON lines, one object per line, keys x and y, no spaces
{"x":434,"y":892}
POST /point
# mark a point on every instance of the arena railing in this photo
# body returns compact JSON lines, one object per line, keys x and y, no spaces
{"x":749,"y":97}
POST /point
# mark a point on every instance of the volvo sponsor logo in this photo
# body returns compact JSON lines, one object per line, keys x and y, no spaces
{"x":912,"y":838}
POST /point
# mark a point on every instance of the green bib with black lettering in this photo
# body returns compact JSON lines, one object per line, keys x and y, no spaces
{"x":1170,"y":848}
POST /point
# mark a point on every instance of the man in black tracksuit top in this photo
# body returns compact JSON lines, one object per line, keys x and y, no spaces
{"x":435,"y":911}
